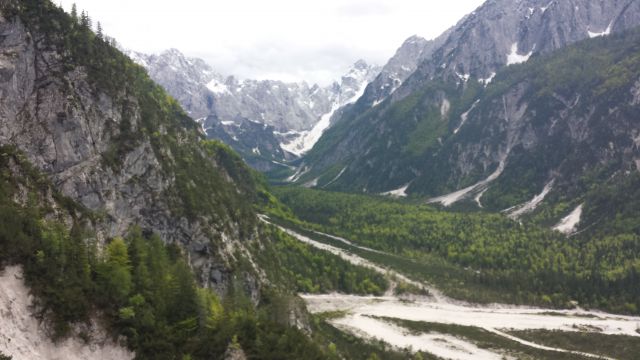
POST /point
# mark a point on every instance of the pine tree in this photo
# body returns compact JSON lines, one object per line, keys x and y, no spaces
{"x":85,"y":20}
{"x":114,"y":274}
{"x":99,"y":31}
{"x":74,"y":13}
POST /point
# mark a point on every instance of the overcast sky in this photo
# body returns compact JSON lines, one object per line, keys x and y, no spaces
{"x":289,"y":40}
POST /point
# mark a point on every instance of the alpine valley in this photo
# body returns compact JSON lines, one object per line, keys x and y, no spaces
{"x":477,"y":197}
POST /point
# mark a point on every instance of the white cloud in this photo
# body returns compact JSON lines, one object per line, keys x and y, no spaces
{"x":365,"y":8}
{"x":287,"y":39}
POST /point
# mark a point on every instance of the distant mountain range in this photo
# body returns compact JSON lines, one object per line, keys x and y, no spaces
{"x":267,"y":121}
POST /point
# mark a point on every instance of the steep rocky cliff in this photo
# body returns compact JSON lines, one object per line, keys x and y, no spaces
{"x":112,"y":140}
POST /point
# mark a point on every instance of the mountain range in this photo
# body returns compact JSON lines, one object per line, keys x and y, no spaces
{"x":268,"y":122}
{"x":131,"y":225}
{"x":493,"y":113}
{"x":431,"y":138}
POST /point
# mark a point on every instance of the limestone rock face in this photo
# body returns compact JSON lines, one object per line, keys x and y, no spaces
{"x":65,"y":126}
{"x":498,"y":33}
{"x":405,"y":61}
{"x":502,"y":32}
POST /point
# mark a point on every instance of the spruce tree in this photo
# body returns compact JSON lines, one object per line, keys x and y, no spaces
{"x":74,"y":13}
{"x":85,"y":20}
{"x":99,"y":31}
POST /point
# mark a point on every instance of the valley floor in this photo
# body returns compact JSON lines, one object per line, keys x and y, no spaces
{"x":383,"y":318}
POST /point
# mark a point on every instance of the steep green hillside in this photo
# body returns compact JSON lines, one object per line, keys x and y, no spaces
{"x":144,"y":289}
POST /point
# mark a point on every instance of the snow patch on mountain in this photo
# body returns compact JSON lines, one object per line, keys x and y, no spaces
{"x":305,"y":142}
{"x":311,"y":184}
{"x":488,"y":80}
{"x":337,"y":177}
{"x":544,"y":8}
{"x":300,"y":172}
{"x":356,"y":82}
{"x":606,"y":32}
{"x":217,"y":87}
{"x":515,"y":58}
{"x":463,"y":77}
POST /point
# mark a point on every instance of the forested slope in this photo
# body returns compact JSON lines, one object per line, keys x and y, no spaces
{"x":494,"y":257}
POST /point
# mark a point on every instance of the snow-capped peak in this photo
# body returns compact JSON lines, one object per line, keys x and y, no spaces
{"x":350,"y":89}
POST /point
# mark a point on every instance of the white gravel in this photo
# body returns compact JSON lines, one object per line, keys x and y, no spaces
{"x":438,"y":308}
{"x":454,"y":197}
{"x":23,"y":337}
{"x":569,"y":224}
{"x":532,"y":204}
{"x":442,"y":345}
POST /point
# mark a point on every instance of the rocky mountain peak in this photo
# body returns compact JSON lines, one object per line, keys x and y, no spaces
{"x":425,"y":80}
{"x":354,"y":81}
{"x":504,"y":32}
{"x":361,"y":65}
{"x":399,"y":68}
{"x":256,"y":117}
{"x":499,"y":33}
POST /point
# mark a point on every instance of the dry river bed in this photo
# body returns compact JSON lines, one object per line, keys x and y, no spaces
{"x":362,"y":315}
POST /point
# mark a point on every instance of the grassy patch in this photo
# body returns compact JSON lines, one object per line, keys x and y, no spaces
{"x":616,"y":346}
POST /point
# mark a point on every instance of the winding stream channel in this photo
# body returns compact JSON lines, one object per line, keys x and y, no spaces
{"x":363,"y":314}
